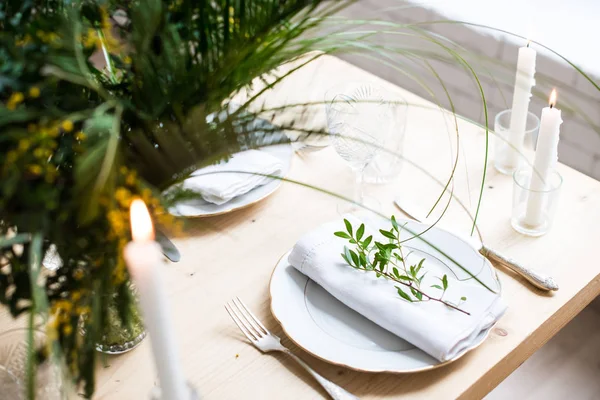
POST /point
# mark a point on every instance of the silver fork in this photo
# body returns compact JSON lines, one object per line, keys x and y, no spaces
{"x":266,"y":342}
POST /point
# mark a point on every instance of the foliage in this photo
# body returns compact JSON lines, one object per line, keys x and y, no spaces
{"x":387,"y":260}
{"x":78,"y":142}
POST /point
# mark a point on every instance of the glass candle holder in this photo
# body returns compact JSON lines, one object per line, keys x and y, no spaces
{"x":507,"y":158}
{"x":533,"y":210}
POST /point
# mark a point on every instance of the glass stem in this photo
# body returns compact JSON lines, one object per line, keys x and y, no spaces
{"x":358,"y":186}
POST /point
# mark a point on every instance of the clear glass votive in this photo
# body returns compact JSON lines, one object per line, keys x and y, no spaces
{"x":533,"y":210}
{"x":506,"y":158}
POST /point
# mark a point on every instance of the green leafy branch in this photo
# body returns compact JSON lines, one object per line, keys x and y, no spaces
{"x":387,"y":261}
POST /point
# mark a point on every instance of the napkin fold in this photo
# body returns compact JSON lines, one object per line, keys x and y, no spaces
{"x":218,"y":184}
{"x":436,"y":329}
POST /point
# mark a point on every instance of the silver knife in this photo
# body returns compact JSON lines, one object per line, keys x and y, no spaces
{"x":536,"y":278}
{"x":168,"y":248}
{"x":52,"y":260}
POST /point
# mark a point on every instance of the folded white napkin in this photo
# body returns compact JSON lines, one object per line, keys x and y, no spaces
{"x":218,"y":186}
{"x":436,"y":329}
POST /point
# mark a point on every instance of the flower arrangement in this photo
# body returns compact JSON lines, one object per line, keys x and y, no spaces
{"x":79,"y":141}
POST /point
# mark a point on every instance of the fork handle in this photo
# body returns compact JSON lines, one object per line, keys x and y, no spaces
{"x":336,"y":392}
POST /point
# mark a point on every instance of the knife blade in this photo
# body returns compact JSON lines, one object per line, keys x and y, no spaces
{"x":168,"y":248}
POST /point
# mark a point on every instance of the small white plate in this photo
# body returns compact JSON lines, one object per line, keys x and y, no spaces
{"x":323,"y":326}
{"x":200,"y":208}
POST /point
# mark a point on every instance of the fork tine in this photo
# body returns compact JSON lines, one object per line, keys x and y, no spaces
{"x":246,"y":333}
{"x":253,"y":317}
{"x":244,"y":311}
{"x":244,"y":320}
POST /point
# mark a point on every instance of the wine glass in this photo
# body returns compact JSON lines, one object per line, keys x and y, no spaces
{"x":358,"y":119}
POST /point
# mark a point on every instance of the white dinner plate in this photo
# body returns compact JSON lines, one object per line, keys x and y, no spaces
{"x":323,"y":326}
{"x":201,"y":208}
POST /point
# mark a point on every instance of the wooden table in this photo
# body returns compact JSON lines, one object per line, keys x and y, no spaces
{"x":234,"y":255}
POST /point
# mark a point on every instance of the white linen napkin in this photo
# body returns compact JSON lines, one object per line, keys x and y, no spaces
{"x":218,"y":186}
{"x":436,"y":329}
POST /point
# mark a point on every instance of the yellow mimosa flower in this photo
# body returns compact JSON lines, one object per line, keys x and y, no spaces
{"x":34,"y":92}
{"x":67,"y":125}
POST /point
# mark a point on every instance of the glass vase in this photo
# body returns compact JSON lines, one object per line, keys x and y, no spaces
{"x":118,"y":338}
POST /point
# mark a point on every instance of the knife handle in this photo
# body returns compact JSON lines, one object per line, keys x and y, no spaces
{"x":538,"y":279}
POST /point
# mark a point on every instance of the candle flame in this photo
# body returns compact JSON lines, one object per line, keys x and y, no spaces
{"x":141,"y":223}
{"x":552,"y":100}
{"x":528,"y":42}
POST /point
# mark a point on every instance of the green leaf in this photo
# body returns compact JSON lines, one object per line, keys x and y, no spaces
{"x":348,"y":226}
{"x":373,"y":266}
{"x":360,"y":232}
{"x":419,"y":266}
{"x":17,"y":239}
{"x":445,"y":282}
{"x":354,"y":258}
{"x":348,"y":255}
{"x":437,"y":287}
{"x":422,"y":276}
{"x":363,"y":259}
{"x":395,"y":224}
{"x":396,"y":273}
{"x":380,"y":247}
{"x":146,"y":17}
{"x":412,"y":271}
{"x":463,"y":298}
{"x":39,"y":305}
{"x":417,"y":294}
{"x":402,"y":294}
{"x":14,"y":116}
{"x":345,"y":258}
{"x":405,"y":278}
{"x":387,"y":234}
{"x":343,"y":235}
{"x":98,"y":126}
{"x":367,"y":241}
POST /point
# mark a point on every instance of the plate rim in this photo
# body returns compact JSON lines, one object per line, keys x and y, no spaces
{"x":241,"y":207}
{"x":393,"y":371}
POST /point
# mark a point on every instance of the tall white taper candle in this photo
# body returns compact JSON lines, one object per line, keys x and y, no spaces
{"x":524,"y":81}
{"x":546,"y":156}
{"x":143,"y":259}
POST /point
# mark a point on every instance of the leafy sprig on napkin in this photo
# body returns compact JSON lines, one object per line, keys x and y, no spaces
{"x":387,"y":260}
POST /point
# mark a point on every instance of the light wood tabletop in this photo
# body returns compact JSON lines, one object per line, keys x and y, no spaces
{"x":234,"y":255}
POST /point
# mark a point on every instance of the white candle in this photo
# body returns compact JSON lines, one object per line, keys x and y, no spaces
{"x":546,"y":156}
{"x":524,"y":81}
{"x":143,"y":259}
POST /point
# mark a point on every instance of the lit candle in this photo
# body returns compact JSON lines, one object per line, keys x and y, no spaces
{"x":524,"y":81}
{"x":546,"y":156}
{"x":143,"y":257}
